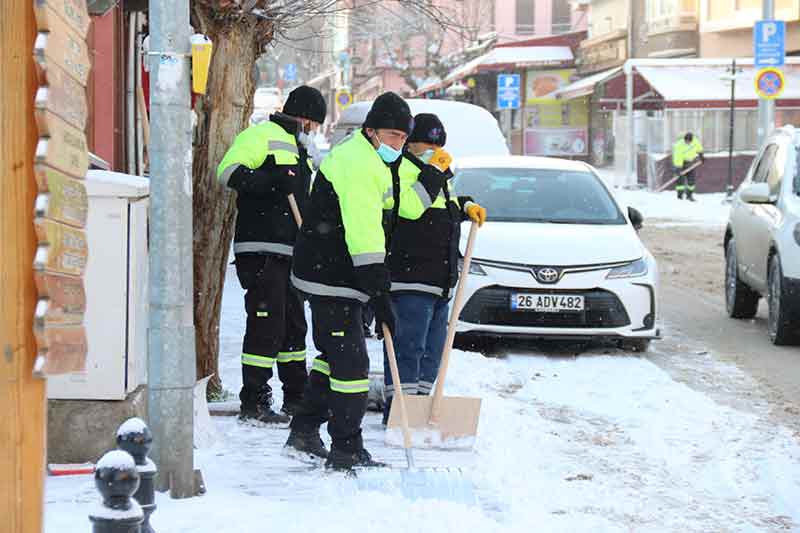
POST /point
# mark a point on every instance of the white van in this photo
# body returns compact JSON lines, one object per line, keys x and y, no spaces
{"x":471,"y":130}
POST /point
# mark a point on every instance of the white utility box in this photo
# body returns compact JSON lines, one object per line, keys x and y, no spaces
{"x":116,"y":282}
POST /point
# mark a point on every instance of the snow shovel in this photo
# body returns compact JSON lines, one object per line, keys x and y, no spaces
{"x":440,"y":418}
{"x":680,"y":175}
{"x":295,"y":211}
{"x":436,"y":483}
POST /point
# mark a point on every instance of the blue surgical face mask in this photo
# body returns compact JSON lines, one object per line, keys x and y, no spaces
{"x":386,"y":152}
{"x":426,"y":156}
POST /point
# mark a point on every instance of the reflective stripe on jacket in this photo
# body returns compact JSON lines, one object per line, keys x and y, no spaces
{"x":264,"y":222}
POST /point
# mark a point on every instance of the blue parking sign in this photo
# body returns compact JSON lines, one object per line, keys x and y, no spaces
{"x":769,"y":43}
{"x":290,"y":72}
{"x":508,"y":88}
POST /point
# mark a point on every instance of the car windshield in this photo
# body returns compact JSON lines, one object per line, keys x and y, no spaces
{"x":539,"y":195}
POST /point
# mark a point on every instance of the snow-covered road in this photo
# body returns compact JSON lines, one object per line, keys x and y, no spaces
{"x":599,"y":442}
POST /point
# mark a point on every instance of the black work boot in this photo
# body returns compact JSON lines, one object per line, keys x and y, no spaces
{"x":306,"y":443}
{"x":291,"y":405}
{"x":690,"y":196}
{"x":263,"y":414}
{"x":680,"y":195}
{"x":346,"y":460}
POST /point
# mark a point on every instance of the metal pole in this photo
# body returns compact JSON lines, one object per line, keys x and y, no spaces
{"x":729,"y":189}
{"x":171,"y":335}
{"x":766,"y":108}
{"x":631,"y":152}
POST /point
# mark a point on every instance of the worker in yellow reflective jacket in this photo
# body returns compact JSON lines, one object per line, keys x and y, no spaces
{"x":266,"y":163}
{"x":339,"y":261}
{"x":685,"y":153}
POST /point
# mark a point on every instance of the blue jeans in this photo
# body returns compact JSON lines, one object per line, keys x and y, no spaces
{"x":418,"y":343}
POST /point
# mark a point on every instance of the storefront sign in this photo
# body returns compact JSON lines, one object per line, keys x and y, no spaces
{"x":540,"y":84}
{"x":603,"y":55}
{"x":556,"y":141}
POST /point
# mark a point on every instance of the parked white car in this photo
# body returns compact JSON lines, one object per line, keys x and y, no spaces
{"x":762,"y":240}
{"x":557,"y":259}
{"x":471,"y":130}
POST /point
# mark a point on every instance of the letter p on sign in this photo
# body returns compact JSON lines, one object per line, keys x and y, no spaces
{"x":768,"y":31}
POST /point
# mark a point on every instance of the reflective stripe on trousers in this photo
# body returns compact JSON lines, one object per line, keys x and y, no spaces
{"x":257,"y":360}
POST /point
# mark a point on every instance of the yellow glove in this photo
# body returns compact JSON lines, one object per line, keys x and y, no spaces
{"x":476,"y":213}
{"x":441,"y":159}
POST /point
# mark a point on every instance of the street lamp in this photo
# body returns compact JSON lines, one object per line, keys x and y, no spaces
{"x":730,"y":76}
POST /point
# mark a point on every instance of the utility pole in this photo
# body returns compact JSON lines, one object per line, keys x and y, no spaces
{"x":734,"y":71}
{"x":766,"y":108}
{"x":171,"y":343}
{"x":23,"y":403}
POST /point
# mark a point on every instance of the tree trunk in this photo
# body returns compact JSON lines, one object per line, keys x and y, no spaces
{"x":222,"y":113}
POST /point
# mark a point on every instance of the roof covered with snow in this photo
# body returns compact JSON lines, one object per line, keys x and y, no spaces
{"x":512,"y":57}
{"x":694,"y":83}
{"x":585,"y":86}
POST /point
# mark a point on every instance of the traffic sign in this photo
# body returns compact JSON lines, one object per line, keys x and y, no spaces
{"x":63,"y":96}
{"x":61,"y":146}
{"x":290,"y":72}
{"x":508,"y":88}
{"x":62,"y":46}
{"x":344,"y":98}
{"x":769,"y":83}
{"x":769,"y":42}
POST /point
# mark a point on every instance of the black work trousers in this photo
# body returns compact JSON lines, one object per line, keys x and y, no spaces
{"x":276,"y":330}
{"x":339,"y":379}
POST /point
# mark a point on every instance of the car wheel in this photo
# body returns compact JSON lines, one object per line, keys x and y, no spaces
{"x":740,"y":300}
{"x":782,"y":323}
{"x":635,"y":345}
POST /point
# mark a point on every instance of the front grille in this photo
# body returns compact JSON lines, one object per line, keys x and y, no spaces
{"x":492,"y":306}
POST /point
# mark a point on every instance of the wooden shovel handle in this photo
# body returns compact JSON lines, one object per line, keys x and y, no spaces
{"x":398,"y":387}
{"x":295,"y":211}
{"x":438,"y":392}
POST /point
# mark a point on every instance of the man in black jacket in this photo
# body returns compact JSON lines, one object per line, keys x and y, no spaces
{"x":266,"y":163}
{"x":423,"y":263}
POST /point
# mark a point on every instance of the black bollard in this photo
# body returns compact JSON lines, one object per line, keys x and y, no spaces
{"x":117,"y":479}
{"x":135,"y":437}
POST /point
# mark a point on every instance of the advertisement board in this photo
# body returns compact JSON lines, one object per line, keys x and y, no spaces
{"x":561,"y":142}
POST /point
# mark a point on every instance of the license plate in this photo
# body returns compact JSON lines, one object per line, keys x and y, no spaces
{"x":547,"y":303}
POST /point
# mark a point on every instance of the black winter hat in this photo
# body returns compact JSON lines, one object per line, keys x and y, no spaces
{"x":428,"y":129}
{"x":390,"y":112}
{"x":306,"y":102}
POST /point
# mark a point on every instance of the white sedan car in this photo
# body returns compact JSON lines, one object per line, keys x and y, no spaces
{"x":557,"y":259}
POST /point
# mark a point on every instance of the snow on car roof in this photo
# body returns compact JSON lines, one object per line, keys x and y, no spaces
{"x":522,"y":161}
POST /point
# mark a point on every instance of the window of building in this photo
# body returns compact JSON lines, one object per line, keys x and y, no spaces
{"x":526,"y":17}
{"x":562,"y":16}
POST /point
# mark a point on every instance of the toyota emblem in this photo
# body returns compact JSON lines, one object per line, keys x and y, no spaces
{"x":547,"y":275}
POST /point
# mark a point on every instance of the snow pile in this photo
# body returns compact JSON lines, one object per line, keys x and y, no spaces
{"x":118,"y":459}
{"x":709,"y":209}
{"x":132,"y":425}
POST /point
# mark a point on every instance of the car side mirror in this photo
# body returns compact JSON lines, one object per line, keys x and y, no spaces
{"x":636,"y":218}
{"x":756,"y":193}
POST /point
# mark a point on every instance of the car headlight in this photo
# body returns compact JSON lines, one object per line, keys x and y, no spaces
{"x":474,"y":268}
{"x":631,"y":270}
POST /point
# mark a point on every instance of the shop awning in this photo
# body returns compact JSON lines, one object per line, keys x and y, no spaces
{"x":585,"y":86}
{"x":689,"y":86}
{"x":511,"y":58}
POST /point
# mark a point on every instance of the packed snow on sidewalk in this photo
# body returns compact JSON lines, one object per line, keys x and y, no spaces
{"x":665,"y":208}
{"x":601,"y":442}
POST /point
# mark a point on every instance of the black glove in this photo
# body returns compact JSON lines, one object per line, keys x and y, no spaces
{"x":384,"y":314}
{"x":702,"y":157}
{"x":433,"y":180}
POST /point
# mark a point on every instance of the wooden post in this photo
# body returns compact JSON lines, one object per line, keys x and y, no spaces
{"x":22,"y":396}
